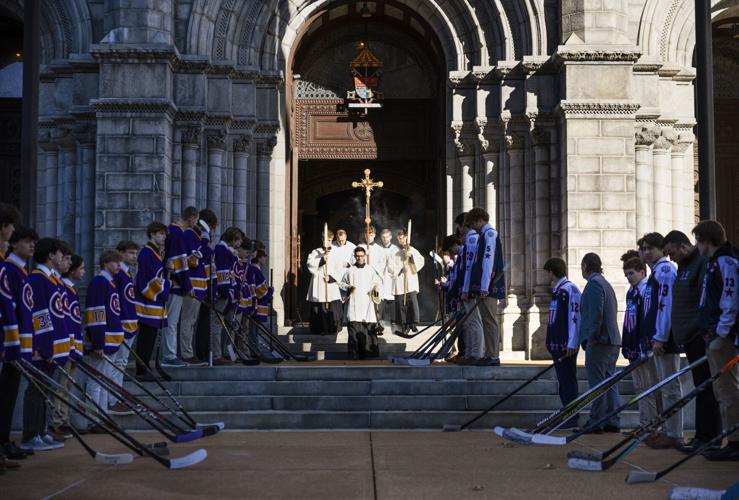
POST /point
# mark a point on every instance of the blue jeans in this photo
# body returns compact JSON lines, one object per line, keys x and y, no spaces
{"x":600,"y":363}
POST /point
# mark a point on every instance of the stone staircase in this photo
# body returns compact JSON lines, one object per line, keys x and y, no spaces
{"x":335,"y":395}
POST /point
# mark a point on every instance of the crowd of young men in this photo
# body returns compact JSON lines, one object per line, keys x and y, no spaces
{"x":43,"y":322}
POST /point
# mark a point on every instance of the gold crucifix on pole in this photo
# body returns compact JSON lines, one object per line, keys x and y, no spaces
{"x":367,"y":184}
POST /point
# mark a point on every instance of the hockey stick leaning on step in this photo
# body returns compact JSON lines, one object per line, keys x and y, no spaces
{"x":597,"y":462}
{"x":158,"y":381}
{"x":88,"y":411}
{"x":430,"y":344}
{"x":552,"y":422}
{"x":639,"y":476}
{"x":156,"y":421}
{"x":91,"y":406}
{"x":207,"y":430}
{"x":454,"y":428}
{"x":254,"y":351}
{"x":562,"y":440}
{"x":279,"y":345}
{"x":130,"y":442}
{"x":419,"y":332}
{"x":103,"y":458}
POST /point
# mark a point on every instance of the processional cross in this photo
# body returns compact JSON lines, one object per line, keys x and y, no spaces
{"x":367,"y":184}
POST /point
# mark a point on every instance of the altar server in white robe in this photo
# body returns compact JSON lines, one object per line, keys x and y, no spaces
{"x":405,"y":265}
{"x":343,"y":249}
{"x":323,"y":293}
{"x":364,"y":288}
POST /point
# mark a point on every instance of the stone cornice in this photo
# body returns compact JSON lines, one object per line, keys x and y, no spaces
{"x":266,"y":129}
{"x":598,"y":109}
{"x":141,"y":53}
{"x":594,"y":53}
{"x":459,"y":79}
{"x":243,"y":123}
{"x":270,"y":78}
{"x":134,"y":105}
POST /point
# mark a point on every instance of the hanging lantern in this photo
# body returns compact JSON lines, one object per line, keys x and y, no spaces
{"x":366,"y":72}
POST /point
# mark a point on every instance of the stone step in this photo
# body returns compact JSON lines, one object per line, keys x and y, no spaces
{"x":312,"y":420}
{"x":363,"y":388}
{"x":354,"y":371}
{"x":363,"y":403}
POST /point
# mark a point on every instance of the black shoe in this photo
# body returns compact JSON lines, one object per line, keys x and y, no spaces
{"x":694,"y":444}
{"x":13,"y":452}
{"x":414,"y":328}
{"x":611,"y":428}
{"x":725,"y":454}
{"x":488,"y":362}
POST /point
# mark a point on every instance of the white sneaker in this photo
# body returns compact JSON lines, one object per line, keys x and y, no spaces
{"x":52,"y":442}
{"x":35,"y":444}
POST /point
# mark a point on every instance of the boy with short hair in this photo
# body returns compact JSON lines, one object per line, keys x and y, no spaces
{"x":16,"y":318}
{"x":562,"y":342}
{"x":634,"y":342}
{"x":50,"y":339}
{"x":103,"y":323}
{"x":152,"y":289}
{"x":717,"y":319}
{"x":128,"y":250}
{"x":224,"y":258}
{"x":657,"y":326}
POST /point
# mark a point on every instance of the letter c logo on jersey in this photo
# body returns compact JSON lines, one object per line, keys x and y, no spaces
{"x":128,"y":291}
{"x":56,"y":305}
{"x":75,"y":313}
{"x":115,"y":304}
{"x":28,"y":296}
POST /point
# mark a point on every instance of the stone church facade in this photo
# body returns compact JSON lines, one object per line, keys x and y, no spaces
{"x":571,"y":122}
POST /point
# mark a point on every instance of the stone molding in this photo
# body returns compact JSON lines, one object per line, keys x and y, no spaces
{"x":242,"y":144}
{"x":565,"y":54}
{"x":266,"y":129}
{"x":459,"y":79}
{"x":138,"y":53}
{"x":191,"y":136}
{"x":514,"y":141}
{"x":86,"y":134}
{"x":264,"y":148}
{"x":134,"y":105}
{"x":598,"y":109}
{"x":217,"y":140}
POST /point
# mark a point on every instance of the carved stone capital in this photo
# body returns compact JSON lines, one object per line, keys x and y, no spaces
{"x":539,"y":136}
{"x":86,"y":135}
{"x":265,"y":148}
{"x":481,"y":123}
{"x":191,"y":136}
{"x":217,"y":140}
{"x":242,"y":144}
{"x":646,"y":135}
{"x":464,"y":146}
{"x":513,"y":141}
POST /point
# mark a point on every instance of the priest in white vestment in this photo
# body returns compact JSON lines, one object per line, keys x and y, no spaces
{"x":363,"y":285}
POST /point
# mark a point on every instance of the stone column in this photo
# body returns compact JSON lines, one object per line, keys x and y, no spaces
{"x":251,"y":195}
{"x":45,"y":173}
{"x":216,"y":148}
{"x":467,"y":184}
{"x":645,"y":137}
{"x":176,"y":181}
{"x":264,"y":152}
{"x":662,"y":186}
{"x":688,"y":183}
{"x":241,"y":148}
{"x":86,"y":197}
{"x":517,"y":235}
{"x":66,"y":188}
{"x":677,"y":166}
{"x":490,"y":178}
{"x":190,"y":155}
{"x":451,"y":210}
{"x":542,"y":230}
{"x":227,"y":186}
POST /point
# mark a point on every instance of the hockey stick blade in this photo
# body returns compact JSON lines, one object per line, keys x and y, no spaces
{"x":581,"y":464}
{"x":219,"y":425}
{"x":188,"y":436}
{"x":517,"y":436}
{"x":305,"y":357}
{"x":641,"y":476}
{"x":689,"y":493}
{"x":549,"y":440}
{"x":499,"y":430}
{"x":111,"y":459}
{"x":193,"y":458}
{"x":585,"y":455}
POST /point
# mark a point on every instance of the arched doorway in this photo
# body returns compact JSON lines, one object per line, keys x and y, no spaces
{"x":403,"y":143}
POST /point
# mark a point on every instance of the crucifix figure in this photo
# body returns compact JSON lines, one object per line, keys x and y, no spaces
{"x":367,"y":184}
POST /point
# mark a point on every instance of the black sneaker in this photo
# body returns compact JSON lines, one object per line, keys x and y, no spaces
{"x":13,"y":452}
{"x":725,"y":454}
{"x":611,"y":428}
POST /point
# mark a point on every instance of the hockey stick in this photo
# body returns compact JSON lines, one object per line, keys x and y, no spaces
{"x":100,"y":413}
{"x":598,"y":462}
{"x":207,"y":430}
{"x":103,"y":458}
{"x":562,"y":440}
{"x":254,"y":350}
{"x":279,"y":345}
{"x":243,"y":357}
{"x":456,"y":428}
{"x":419,"y":332}
{"x":157,"y":357}
{"x":558,"y":417}
{"x":639,"y":476}
{"x":176,"y":434}
{"x":158,"y":381}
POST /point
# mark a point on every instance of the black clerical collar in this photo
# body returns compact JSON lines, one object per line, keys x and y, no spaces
{"x":360,"y":266}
